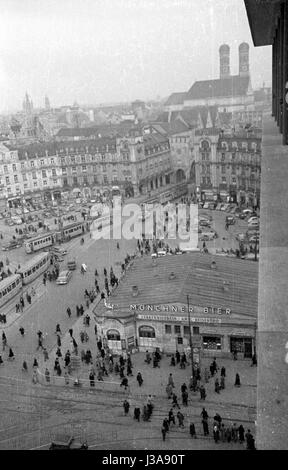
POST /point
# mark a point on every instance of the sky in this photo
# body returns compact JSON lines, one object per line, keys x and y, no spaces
{"x":103,"y":51}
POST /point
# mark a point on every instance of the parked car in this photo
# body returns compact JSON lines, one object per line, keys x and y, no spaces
{"x":230,"y":220}
{"x":11,"y":245}
{"x":253,"y":223}
{"x":58,"y":251}
{"x":247,"y":211}
{"x":253,"y":218}
{"x":224,"y":207}
{"x":64,"y":277}
{"x":208,"y":236}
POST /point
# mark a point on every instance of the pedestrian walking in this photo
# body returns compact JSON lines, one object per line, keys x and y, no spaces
{"x":92,"y":379}
{"x":58,"y":341}
{"x":237,"y":381}
{"x":35,"y":363}
{"x":175,"y":401}
{"x":241,"y":434}
{"x":69,"y":313}
{"x":202,"y":393}
{"x":171,"y":417}
{"x":222,"y":382}
{"x":217,"y":386}
{"x":223,"y":372}
{"x":58,"y":329}
{"x":178,"y":357}
{"x":137,"y":413}
{"x":180,"y":418}
{"x":11,"y":355}
{"x":222,"y":433}
{"x":171,"y":381}
{"x":254,"y":360}
{"x":192,"y":431}
{"x":22,"y":331}
{"x":24,"y":366}
{"x":126,"y":407}
{"x":185,"y":398}
{"x":205,"y":417}
{"x":169,"y":391}
{"x":216,"y":433}
{"x":1,"y":360}
{"x":164,"y":432}
{"x":139,"y":379}
{"x":71,"y":332}
{"x":206,"y":375}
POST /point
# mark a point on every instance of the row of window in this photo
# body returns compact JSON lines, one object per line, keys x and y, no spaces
{"x":9,"y":288}
{"x":36,"y":267}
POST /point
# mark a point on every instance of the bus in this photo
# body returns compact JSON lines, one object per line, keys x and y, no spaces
{"x":9,"y":287}
{"x":72,"y":230}
{"x":29,"y":271}
{"x":40,"y":241}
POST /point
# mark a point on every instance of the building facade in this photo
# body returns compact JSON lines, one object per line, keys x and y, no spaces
{"x":229,"y":166}
{"x":148,"y":310}
{"x":139,"y":161}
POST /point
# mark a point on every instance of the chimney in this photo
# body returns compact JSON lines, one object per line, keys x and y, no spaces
{"x":135,"y":291}
{"x":224,"y":56}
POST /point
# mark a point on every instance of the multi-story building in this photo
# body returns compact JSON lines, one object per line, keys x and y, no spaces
{"x":138,"y":162}
{"x":229,"y":166}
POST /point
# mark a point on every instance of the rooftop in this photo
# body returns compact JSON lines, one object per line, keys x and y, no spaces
{"x":193,"y":276}
{"x":224,"y":87}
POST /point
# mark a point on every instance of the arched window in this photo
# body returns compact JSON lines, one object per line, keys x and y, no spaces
{"x":113,"y":335}
{"x":146,"y":332}
{"x":205,"y":145}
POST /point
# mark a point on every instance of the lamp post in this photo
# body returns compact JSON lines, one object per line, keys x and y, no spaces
{"x":190,"y":337}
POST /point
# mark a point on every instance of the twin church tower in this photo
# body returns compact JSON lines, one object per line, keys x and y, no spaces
{"x":224,"y":53}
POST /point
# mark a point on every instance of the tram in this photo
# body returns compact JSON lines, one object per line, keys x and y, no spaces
{"x":72,"y":230}
{"x":29,"y":271}
{"x":40,"y":241}
{"x":9,"y":287}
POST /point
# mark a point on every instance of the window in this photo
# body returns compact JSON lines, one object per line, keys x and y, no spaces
{"x":14,"y":167}
{"x":224,"y":179}
{"x":222,"y":157}
{"x":54,"y":172}
{"x":16,"y":179}
{"x":177,"y":329}
{"x":84,"y":168}
{"x":168,"y":329}
{"x":22,"y":166}
{"x":179,"y":340}
{"x":73,"y":169}
{"x":35,"y":184}
{"x":223,"y":169}
{"x":7,"y":180}
{"x":113,"y":335}
{"x":146,"y":332}
{"x":234,"y":180}
{"x":44,"y":175}
{"x":212,"y":342}
{"x":196,"y":330}
{"x":45,"y":183}
{"x":34,"y":175}
{"x":32,"y":163}
{"x":186,"y":331}
{"x":64,"y":171}
{"x":42,"y":162}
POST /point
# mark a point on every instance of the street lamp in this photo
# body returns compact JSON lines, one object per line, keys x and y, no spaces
{"x":190,"y":337}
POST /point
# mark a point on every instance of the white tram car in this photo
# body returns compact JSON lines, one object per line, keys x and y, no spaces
{"x":39,"y":242}
{"x":9,"y":287}
{"x":33,"y":268}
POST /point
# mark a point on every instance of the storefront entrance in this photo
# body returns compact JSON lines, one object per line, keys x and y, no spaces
{"x":242,"y":346}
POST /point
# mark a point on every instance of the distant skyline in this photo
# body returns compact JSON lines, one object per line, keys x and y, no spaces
{"x":98,"y":51}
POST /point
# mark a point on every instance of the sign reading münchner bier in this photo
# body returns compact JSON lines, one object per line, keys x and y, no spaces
{"x":180,"y":309}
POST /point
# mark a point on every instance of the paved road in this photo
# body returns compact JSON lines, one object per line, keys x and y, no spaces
{"x":50,"y":409}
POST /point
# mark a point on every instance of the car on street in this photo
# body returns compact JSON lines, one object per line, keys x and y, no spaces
{"x":56,"y":250}
{"x":230,"y":220}
{"x":247,"y":211}
{"x":253,"y":218}
{"x":253,"y":239}
{"x":208,"y":236}
{"x":224,"y":207}
{"x":253,"y":223}
{"x":204,"y":222}
{"x":64,"y":277}
{"x":11,"y":245}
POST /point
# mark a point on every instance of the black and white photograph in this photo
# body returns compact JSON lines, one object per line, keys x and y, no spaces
{"x":143,"y":227}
